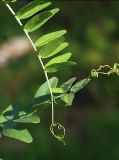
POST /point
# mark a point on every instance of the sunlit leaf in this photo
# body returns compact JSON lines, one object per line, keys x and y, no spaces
{"x":68,"y":98}
{"x":28,"y":119}
{"x":44,"y":89}
{"x":32,"y":8}
{"x":49,"y":37}
{"x":40,"y":19}
{"x":59,"y":59}
{"x":2,"y":119}
{"x":9,"y":1}
{"x":4,"y":109}
{"x":22,"y":135}
{"x":58,"y":90}
{"x":58,"y":66}
{"x":52,"y":48}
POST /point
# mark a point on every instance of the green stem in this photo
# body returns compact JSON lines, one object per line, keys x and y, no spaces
{"x":35,"y":49}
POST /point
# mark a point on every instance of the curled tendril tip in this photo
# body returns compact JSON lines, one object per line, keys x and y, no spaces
{"x":111,"y":70}
{"x":58,"y":126}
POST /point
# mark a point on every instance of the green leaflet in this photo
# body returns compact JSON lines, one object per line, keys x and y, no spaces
{"x":41,"y":100}
{"x":52,"y":48}
{"x":22,"y":135}
{"x":67,"y":85}
{"x":25,"y":113}
{"x":58,"y":90}
{"x":2,"y":120}
{"x":44,"y":89}
{"x":79,"y":85}
{"x":42,"y":95}
{"x":49,"y":37}
{"x":28,"y":119}
{"x":32,"y":8}
{"x":2,"y":109}
{"x":9,"y":108}
{"x":9,"y":1}
{"x":58,"y":66}
{"x":11,"y":113}
{"x":68,"y":98}
{"x":40,"y":19}
{"x":59,"y":59}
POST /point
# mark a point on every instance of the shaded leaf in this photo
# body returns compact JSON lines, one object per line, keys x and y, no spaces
{"x":41,"y":100}
{"x":11,"y":112}
{"x":52,"y":48}
{"x":40,"y":19}
{"x":59,"y":59}
{"x":79,"y":85}
{"x":49,"y":37}
{"x":32,"y":8}
{"x":58,"y":66}
{"x":22,"y":135}
{"x":67,"y":85}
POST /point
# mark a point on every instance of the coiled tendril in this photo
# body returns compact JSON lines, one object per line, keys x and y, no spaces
{"x":110,"y":70}
{"x":56,"y":126}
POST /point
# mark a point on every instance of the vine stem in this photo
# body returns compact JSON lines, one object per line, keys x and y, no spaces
{"x":35,"y":49}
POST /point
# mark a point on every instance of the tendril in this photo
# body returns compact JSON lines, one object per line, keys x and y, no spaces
{"x":59,"y":127}
{"x":110,"y":70}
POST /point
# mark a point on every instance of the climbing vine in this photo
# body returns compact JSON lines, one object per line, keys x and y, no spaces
{"x":45,"y":47}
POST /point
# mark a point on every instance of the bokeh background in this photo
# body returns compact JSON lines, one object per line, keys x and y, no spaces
{"x":92,"y":123}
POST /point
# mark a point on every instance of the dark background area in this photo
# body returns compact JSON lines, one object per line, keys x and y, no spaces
{"x":92,"y":123}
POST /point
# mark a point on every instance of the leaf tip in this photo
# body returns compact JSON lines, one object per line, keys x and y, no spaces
{"x":54,"y":11}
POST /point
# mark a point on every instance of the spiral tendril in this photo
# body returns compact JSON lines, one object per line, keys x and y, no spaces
{"x":111,"y":70}
{"x":58,"y":126}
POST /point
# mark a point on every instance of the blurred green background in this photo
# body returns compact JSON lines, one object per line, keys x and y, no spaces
{"x":92,"y":123}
